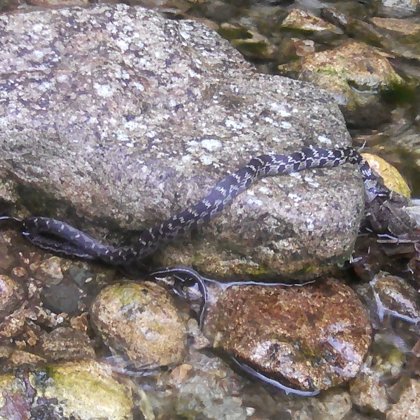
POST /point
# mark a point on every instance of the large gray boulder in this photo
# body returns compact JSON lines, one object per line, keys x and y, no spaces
{"x":116,"y":116}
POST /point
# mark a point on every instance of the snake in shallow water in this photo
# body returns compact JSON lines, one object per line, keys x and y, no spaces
{"x":62,"y":238}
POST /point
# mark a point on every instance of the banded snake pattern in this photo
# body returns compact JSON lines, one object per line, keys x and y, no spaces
{"x":62,"y":238}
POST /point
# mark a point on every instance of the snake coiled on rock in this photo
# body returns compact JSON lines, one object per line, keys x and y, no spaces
{"x":62,"y":238}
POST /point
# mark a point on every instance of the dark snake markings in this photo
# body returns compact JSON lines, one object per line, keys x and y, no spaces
{"x":62,"y":238}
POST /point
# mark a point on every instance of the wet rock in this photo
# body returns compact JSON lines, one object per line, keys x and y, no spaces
{"x":414,"y":210}
{"x":58,"y":3}
{"x":87,"y":390}
{"x":401,"y":26}
{"x":303,"y":46}
{"x":14,"y":403}
{"x":394,"y":297}
{"x":355,"y":74}
{"x":84,"y":390}
{"x":399,"y":8}
{"x":335,"y":17}
{"x":7,"y":5}
{"x":203,"y":387}
{"x":404,"y":143}
{"x":64,"y":297}
{"x":14,"y":308}
{"x":390,"y":175}
{"x":21,"y":358}
{"x":11,"y":296}
{"x":51,"y":270}
{"x":386,"y":364}
{"x":145,"y":406}
{"x":333,"y":405}
{"x":312,"y":337}
{"x":10,"y":356}
{"x":165,"y":110}
{"x":305,"y":21}
{"x":369,"y":395}
{"x":399,"y":37}
{"x":64,"y":344}
{"x":140,"y":321}
{"x":249,"y":42}
{"x":408,"y":405}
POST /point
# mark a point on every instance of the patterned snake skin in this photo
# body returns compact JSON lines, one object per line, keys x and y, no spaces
{"x":61,"y":238}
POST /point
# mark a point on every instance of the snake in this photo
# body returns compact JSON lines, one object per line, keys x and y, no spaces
{"x":62,"y":238}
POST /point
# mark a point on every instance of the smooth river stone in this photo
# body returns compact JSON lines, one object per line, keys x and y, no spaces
{"x":141,"y":322}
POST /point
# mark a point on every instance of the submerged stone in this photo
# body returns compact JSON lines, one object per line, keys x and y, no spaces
{"x":393,"y":296}
{"x":141,"y":322}
{"x":305,"y":21}
{"x":87,"y":390}
{"x":307,"y":338}
{"x":408,"y":404}
{"x":355,"y":73}
{"x":79,"y":390}
{"x":11,"y":296}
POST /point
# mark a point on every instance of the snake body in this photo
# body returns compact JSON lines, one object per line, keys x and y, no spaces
{"x":62,"y":238}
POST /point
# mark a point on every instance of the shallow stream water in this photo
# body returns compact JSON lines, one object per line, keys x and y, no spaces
{"x":203,"y":386}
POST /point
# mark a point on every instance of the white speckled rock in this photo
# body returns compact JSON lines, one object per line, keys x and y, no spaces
{"x":118,"y":115}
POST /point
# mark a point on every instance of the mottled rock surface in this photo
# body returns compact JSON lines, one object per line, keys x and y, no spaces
{"x":140,"y":322}
{"x":408,"y":405}
{"x":84,"y":390}
{"x":369,"y":395}
{"x":401,"y":26}
{"x":115,"y":114}
{"x":311,"y":337}
{"x":400,"y":7}
{"x":355,"y":73}
{"x":66,"y":344}
{"x":395,"y":297}
{"x":306,"y":21}
{"x":11,"y":296}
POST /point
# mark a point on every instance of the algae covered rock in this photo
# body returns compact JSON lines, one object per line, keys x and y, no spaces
{"x":140,"y":321}
{"x":87,"y":390}
{"x":356,"y":74}
{"x":80,"y":390}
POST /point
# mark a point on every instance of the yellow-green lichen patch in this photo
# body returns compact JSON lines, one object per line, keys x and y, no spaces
{"x":392,"y":178}
{"x":304,"y":21}
{"x":87,"y":390}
